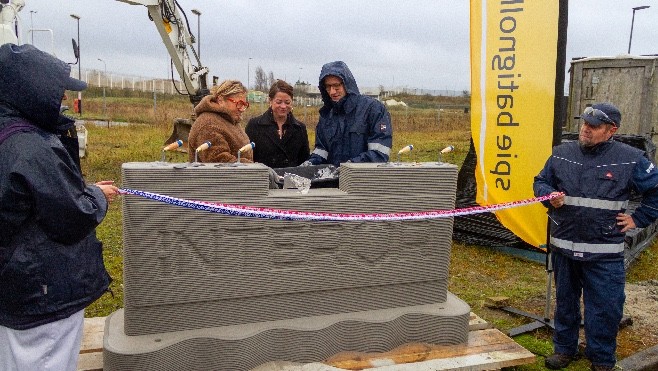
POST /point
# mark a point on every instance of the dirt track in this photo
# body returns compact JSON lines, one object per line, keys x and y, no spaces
{"x":642,"y":306}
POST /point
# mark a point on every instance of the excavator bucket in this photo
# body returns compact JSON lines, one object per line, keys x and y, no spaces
{"x":180,"y":131}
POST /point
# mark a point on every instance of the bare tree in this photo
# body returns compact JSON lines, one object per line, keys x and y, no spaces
{"x":270,"y":79}
{"x":261,"y":79}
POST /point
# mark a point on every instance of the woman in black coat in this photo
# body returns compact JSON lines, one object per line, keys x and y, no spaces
{"x":281,"y":140}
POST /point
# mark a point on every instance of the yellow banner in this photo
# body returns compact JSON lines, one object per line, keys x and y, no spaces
{"x":513,"y":64}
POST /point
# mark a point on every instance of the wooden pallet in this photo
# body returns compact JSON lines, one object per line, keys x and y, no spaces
{"x":91,"y":349}
{"x":487,"y":349}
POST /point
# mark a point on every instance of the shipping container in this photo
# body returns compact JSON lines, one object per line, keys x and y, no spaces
{"x":628,"y":82}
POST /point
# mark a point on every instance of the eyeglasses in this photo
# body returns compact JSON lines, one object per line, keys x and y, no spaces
{"x":597,"y":113}
{"x":335,"y":86}
{"x":240,"y":104}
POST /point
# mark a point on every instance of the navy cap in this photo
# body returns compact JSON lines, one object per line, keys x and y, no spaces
{"x":602,"y":113}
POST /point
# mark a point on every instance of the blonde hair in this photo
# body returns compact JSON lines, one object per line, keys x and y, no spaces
{"x":227,"y":88}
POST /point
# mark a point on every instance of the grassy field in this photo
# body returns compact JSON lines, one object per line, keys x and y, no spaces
{"x":476,"y":272}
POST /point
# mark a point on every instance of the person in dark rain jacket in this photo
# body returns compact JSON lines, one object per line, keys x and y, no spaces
{"x":592,"y":180}
{"x":51,"y":263}
{"x":352,"y":127}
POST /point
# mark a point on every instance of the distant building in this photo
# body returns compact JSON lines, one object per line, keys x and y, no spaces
{"x":255,"y":96}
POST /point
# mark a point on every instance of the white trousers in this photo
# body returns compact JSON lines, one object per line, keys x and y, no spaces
{"x":51,"y":347}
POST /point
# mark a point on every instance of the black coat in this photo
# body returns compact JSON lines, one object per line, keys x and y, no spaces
{"x":275,"y":152}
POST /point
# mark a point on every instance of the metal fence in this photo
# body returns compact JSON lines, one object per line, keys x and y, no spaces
{"x":113,"y":80}
{"x":136,"y":83}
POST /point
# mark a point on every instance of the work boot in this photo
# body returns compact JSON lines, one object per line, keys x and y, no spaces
{"x":558,"y":361}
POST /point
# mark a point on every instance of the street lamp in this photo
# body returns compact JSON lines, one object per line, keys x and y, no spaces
{"x":632,"y":22}
{"x":248,"y":72}
{"x":198,"y":29}
{"x":77,"y":18}
{"x":32,"y":25}
{"x":104,"y":105}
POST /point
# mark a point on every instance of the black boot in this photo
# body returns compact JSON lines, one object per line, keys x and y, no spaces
{"x":558,"y":361}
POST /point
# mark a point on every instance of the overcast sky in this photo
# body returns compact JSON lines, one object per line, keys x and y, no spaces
{"x":411,"y":43}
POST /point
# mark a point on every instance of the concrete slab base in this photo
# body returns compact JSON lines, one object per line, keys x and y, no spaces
{"x":305,"y":340}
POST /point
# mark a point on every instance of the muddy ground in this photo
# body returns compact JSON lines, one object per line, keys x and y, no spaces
{"x":642,"y":307}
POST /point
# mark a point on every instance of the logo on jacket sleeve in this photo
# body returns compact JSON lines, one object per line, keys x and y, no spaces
{"x":382,"y":127}
{"x":609,"y":175}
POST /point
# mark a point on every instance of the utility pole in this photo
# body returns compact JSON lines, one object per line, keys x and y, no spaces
{"x":77,"y":18}
{"x":198,"y":29}
{"x":632,"y":22}
{"x":248,"y":71}
{"x":32,"y":25}
{"x":104,"y":105}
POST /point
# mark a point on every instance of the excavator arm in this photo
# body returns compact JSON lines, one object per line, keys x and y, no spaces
{"x":172,"y":25}
{"x":8,"y":15}
{"x":175,"y":33}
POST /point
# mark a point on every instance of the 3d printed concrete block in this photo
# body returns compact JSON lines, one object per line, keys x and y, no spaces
{"x":313,"y":288}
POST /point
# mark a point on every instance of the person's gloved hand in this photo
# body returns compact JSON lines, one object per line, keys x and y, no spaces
{"x":275,"y":179}
{"x":306,"y":163}
{"x":336,"y":172}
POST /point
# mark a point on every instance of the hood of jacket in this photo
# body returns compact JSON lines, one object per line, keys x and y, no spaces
{"x":339,"y":69}
{"x":32,"y":84}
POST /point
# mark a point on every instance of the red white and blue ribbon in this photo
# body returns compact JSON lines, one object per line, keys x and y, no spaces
{"x":268,"y":213}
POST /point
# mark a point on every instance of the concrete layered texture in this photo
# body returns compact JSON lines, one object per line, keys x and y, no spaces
{"x":305,"y":340}
{"x":192,"y":275}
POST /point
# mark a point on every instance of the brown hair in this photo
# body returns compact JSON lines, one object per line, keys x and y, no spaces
{"x":227,"y":88}
{"x":280,"y":86}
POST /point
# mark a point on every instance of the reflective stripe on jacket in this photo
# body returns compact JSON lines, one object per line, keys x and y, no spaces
{"x":357,"y":128}
{"x":597,"y":183}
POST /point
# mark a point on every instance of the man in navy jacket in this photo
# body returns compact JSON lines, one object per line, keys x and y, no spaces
{"x":352,"y":127}
{"x":593,"y":179}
